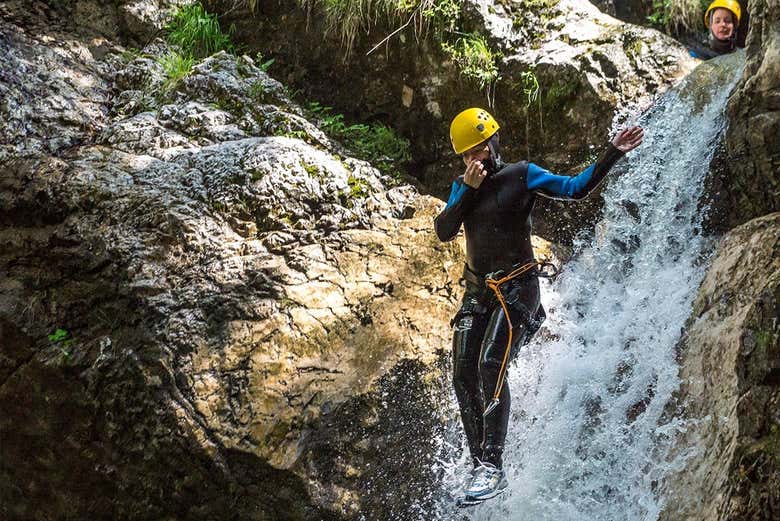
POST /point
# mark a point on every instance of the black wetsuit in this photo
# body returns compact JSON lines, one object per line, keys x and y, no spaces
{"x":716,"y":48}
{"x":497,"y":222}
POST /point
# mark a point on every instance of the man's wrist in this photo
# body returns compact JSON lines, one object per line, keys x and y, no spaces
{"x":611,"y":154}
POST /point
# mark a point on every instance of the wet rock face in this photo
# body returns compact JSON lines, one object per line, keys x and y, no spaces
{"x":586,"y":64}
{"x":731,"y":383}
{"x":581,"y":64}
{"x":748,"y":185}
{"x":633,"y":11}
{"x":198,"y":291}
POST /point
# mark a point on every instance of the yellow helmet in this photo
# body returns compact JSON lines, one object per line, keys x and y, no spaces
{"x":731,"y":5}
{"x":470,"y":128}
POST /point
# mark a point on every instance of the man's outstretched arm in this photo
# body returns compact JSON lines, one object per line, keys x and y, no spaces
{"x":555,"y":186}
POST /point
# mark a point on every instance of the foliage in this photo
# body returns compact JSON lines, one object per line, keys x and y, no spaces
{"x":60,"y":339}
{"x":197,"y":32}
{"x":659,"y":15}
{"x":539,"y":5}
{"x":475,"y":59}
{"x":533,"y":12}
{"x":559,"y":92}
{"x":442,"y":15}
{"x":676,"y":16}
{"x":347,"y":18}
{"x":532,"y":92}
{"x":264,"y":66}
{"x":257,"y":91}
{"x":530,"y":87}
{"x":358,"y":187}
{"x":176,"y":66}
{"x":373,"y":142}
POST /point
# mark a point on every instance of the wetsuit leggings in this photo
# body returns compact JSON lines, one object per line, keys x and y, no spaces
{"x":479,"y":342}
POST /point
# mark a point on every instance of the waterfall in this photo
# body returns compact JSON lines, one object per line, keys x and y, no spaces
{"x":590,"y":432}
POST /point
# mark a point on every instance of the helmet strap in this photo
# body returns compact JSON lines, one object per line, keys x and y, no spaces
{"x":495,"y":155}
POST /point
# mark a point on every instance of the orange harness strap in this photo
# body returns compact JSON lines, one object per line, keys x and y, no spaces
{"x":495,"y":285}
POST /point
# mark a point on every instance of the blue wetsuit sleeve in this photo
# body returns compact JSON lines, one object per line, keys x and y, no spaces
{"x":556,"y":186}
{"x":460,"y":201}
{"x":456,"y":194}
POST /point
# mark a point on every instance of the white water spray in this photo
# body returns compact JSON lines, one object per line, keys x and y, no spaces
{"x":588,"y":439}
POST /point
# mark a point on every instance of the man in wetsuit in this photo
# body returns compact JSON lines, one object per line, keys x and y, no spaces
{"x":493,"y":201}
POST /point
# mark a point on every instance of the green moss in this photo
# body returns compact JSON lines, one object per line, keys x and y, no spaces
{"x":764,"y":339}
{"x":228,"y":104}
{"x":312,"y":169}
{"x":558,"y":94}
{"x":358,"y":187}
{"x":296,"y":134}
{"x":634,"y":48}
{"x":538,"y":6}
{"x":533,"y":13}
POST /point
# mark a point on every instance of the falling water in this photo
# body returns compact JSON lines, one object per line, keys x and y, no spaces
{"x":589,"y":438}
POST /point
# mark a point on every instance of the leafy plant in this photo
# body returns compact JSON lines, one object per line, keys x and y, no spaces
{"x":443,"y":15}
{"x":358,"y":187}
{"x":373,"y":142}
{"x":263,"y":64}
{"x":532,"y":92}
{"x":176,"y":66}
{"x":60,"y":339}
{"x":530,"y":87}
{"x":257,"y":91}
{"x":266,"y":65}
{"x":347,"y":18}
{"x":659,"y":14}
{"x":197,"y":32}
{"x":475,"y":59}
{"x":675,"y":16}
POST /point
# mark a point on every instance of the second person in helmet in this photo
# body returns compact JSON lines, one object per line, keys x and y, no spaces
{"x":492,"y":201}
{"x":722,"y":19}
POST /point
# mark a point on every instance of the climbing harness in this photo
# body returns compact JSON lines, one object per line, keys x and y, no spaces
{"x":494,"y":281}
